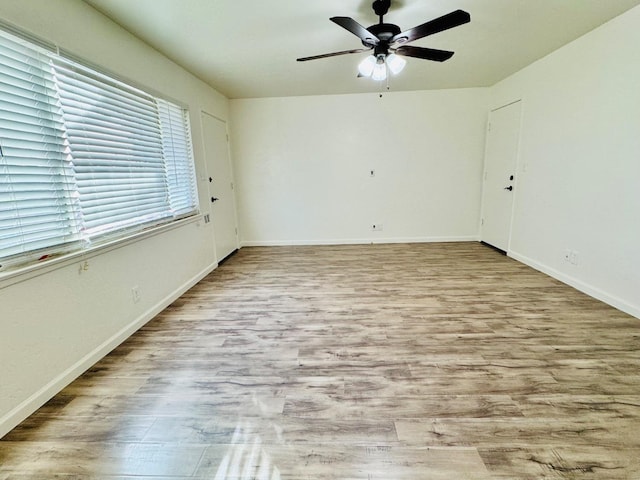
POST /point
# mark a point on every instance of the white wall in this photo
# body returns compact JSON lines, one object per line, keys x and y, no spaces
{"x":579,"y":181}
{"x":302,"y":166}
{"x":57,"y":323}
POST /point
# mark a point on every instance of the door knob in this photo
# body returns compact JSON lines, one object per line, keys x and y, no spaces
{"x":214,"y":199}
{"x":508,"y":188}
{"x":210,"y":179}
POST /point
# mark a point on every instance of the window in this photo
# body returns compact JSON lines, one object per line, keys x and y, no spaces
{"x":83,"y":155}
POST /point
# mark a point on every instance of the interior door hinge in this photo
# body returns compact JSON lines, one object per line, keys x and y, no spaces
{"x":232,"y":186}
{"x":236,"y":231}
{"x":482,"y":222}
{"x":227,"y":138}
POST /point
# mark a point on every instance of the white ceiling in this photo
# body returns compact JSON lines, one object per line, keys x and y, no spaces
{"x":248,"y":48}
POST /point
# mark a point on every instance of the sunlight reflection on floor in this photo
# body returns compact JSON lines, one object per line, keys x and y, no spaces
{"x":246,"y":458}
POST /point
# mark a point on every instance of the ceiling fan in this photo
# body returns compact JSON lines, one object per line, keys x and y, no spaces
{"x":384,"y":38}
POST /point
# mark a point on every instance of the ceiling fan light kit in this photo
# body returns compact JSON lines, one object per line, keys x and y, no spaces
{"x":376,"y":67}
{"x":396,"y":63}
{"x":367,"y":66}
{"x":388,"y":41}
{"x":379,"y":72}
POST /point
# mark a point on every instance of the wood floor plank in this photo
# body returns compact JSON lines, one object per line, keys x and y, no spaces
{"x":42,"y":459}
{"x":356,"y":362}
{"x":352,"y":462}
{"x":71,"y":428}
{"x":487,"y":432}
{"x":585,"y":463}
{"x":197,"y":405}
{"x":334,"y":407}
{"x":602,"y":407}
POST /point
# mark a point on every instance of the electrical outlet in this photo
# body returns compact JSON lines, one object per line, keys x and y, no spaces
{"x":135,"y":294}
{"x":376,"y":227}
{"x":84,"y":267}
{"x":573,"y":258}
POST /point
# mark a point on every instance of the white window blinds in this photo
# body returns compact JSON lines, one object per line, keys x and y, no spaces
{"x":176,"y":144}
{"x":84,"y":155}
{"x":37,"y":188}
{"x":116,"y":145}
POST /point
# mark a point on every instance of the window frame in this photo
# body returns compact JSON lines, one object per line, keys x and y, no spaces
{"x":31,"y":262}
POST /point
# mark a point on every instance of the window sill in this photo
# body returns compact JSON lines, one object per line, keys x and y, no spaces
{"x":26,"y":272}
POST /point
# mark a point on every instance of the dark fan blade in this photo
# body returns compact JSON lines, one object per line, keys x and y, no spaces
{"x":424,"y":53}
{"x":450,"y":20}
{"x":358,"y":30}
{"x":334,"y":54}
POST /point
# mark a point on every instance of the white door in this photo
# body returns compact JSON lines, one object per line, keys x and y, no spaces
{"x":499,"y":175}
{"x":222,"y":203}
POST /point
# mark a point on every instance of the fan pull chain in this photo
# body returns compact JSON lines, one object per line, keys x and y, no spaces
{"x":388,"y":86}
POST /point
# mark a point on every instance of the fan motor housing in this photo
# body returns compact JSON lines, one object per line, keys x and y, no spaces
{"x":384,"y":31}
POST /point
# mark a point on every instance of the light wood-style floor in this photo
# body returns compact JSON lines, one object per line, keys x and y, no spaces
{"x":375,"y":362}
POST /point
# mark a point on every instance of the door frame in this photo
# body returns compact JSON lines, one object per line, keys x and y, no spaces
{"x":517,"y":171}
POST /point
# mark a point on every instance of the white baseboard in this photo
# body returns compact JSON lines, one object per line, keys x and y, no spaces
{"x":357,"y":241}
{"x":590,"y":290}
{"x":13,"y":418}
